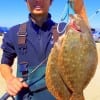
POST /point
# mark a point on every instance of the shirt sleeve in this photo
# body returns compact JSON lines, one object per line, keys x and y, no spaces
{"x":9,"y":53}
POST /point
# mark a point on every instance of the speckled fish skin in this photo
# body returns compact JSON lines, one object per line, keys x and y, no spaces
{"x":53,"y":80}
{"x":79,"y":56}
{"x":72,"y":62}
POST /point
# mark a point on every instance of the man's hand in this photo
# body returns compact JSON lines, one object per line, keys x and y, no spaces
{"x":14,"y":85}
{"x":79,"y":8}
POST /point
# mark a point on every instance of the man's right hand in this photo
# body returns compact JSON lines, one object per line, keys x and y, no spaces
{"x":14,"y":85}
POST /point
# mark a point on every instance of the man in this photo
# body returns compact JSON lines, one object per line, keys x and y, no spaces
{"x":36,"y":49}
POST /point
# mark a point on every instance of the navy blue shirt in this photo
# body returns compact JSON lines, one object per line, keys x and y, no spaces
{"x":39,"y":42}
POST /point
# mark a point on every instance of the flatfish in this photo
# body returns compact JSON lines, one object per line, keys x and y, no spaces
{"x":72,"y":61}
{"x":78,"y":55}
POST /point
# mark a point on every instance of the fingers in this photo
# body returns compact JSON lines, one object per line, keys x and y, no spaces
{"x":14,"y":85}
{"x":23,"y":83}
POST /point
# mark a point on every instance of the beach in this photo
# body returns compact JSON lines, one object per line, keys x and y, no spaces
{"x":91,"y":92}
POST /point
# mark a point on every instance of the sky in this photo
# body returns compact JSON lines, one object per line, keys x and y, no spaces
{"x":14,"y":12}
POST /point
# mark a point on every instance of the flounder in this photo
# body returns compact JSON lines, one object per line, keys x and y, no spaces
{"x":73,"y":63}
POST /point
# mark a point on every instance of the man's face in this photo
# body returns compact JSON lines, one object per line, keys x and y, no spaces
{"x":39,"y":7}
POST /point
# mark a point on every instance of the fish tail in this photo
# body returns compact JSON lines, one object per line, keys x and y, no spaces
{"x":77,"y":96}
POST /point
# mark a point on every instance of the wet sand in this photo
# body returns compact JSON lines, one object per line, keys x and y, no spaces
{"x":92,"y":91}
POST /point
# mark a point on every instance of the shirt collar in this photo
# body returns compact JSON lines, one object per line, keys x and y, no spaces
{"x":46,"y":25}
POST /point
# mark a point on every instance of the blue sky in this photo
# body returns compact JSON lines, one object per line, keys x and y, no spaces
{"x":15,"y":11}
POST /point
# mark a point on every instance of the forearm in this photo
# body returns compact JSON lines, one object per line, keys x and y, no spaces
{"x":79,"y":8}
{"x":6,"y":71}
